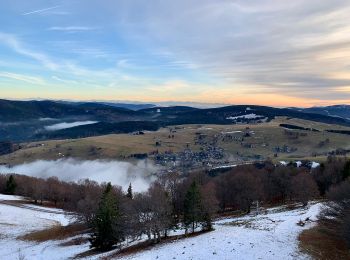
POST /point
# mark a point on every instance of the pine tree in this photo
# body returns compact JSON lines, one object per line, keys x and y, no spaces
{"x":207,"y":222}
{"x":10,"y":185}
{"x":107,"y":222}
{"x":192,"y":207}
{"x":346,"y":171}
{"x":129,"y":193}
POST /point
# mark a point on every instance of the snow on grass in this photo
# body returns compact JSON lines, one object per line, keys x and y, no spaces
{"x":19,"y":219}
{"x":284,"y":163}
{"x":232,"y":132}
{"x":10,"y":197}
{"x":270,"y":236}
{"x":315,"y":165}
{"x":247,"y":116}
{"x":225,"y":166}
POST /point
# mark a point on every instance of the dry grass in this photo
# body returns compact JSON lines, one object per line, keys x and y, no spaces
{"x":120,"y":146}
{"x":321,"y":245}
{"x":55,"y":233}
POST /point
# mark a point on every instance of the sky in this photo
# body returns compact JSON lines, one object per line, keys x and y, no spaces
{"x":265,"y":52}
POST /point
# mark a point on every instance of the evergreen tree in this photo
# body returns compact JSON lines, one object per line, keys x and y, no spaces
{"x":106,"y":224}
{"x":346,"y":171}
{"x":207,"y":221}
{"x":129,"y":193}
{"x":193,"y":207}
{"x":10,"y":185}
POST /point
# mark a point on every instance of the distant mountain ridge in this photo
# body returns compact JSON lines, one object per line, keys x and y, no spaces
{"x":14,"y":111}
{"x":130,"y":106}
{"x":335,"y":111}
{"x":29,"y":120}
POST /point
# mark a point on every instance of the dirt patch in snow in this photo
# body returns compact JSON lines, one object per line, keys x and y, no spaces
{"x":57,"y":232}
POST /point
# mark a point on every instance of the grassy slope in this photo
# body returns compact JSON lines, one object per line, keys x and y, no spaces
{"x":323,"y":246}
{"x":122,"y":145}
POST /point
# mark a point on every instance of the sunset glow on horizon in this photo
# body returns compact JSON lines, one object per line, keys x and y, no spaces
{"x":269,"y":52}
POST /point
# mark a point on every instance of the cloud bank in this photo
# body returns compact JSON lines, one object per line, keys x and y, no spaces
{"x":116,"y":172}
{"x":65,"y":125}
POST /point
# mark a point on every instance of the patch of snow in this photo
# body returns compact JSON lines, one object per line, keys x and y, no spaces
{"x":225,"y":166}
{"x":232,"y":132}
{"x":20,"y":219}
{"x":284,"y":163}
{"x":10,"y":197}
{"x":298,"y":163}
{"x":65,"y":125}
{"x":247,"y":116}
{"x":314,"y":165}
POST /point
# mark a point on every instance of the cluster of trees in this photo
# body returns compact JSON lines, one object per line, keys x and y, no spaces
{"x":238,"y":189}
{"x":335,"y":217}
{"x":115,"y":216}
{"x":190,"y":200}
{"x":7,"y":147}
{"x":81,"y":197}
{"x":127,"y":217}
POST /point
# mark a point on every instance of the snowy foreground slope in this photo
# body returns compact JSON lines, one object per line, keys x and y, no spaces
{"x":18,"y":220}
{"x":272,"y":235}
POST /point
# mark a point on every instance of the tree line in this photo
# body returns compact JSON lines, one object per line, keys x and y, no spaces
{"x":189,"y":200}
{"x":335,"y":217}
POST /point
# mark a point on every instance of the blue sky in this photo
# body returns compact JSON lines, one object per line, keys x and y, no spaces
{"x":269,"y":52}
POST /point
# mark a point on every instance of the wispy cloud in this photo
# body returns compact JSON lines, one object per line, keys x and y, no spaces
{"x":24,"y":78}
{"x":12,"y":42}
{"x":70,"y":67}
{"x":56,"y":12}
{"x":71,"y":28}
{"x":299,"y":43}
{"x":65,"y":81}
{"x":42,"y":10}
{"x":215,"y":50}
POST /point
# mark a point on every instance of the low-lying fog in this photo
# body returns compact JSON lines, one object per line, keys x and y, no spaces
{"x":116,"y":172}
{"x":65,"y":125}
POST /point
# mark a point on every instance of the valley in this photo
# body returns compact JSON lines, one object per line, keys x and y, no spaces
{"x":235,"y":143}
{"x":257,"y":169}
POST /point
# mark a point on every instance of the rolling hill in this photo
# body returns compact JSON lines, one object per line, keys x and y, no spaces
{"x":335,"y":111}
{"x":30,"y":120}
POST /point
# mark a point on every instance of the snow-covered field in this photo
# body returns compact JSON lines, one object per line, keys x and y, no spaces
{"x":267,"y":236}
{"x":19,"y":220}
{"x":270,"y":235}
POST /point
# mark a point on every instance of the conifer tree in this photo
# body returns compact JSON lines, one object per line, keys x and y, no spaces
{"x":346,"y":171}
{"x":192,"y":207}
{"x":207,"y":221}
{"x":10,"y":185}
{"x":129,"y":194}
{"x":106,"y":224}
